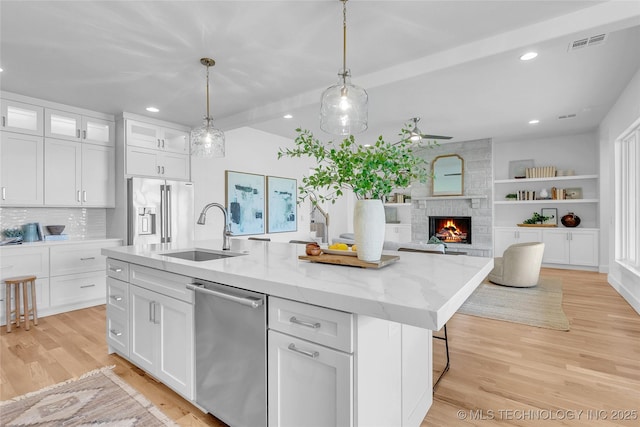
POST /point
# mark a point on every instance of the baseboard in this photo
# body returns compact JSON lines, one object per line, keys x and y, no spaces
{"x":624,"y":293}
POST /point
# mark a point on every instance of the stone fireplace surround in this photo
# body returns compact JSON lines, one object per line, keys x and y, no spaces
{"x":478,"y":182}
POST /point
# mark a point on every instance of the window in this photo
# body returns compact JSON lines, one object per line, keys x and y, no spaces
{"x":627,"y":198}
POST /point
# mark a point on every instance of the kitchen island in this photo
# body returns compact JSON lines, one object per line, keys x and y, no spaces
{"x":372,"y":352}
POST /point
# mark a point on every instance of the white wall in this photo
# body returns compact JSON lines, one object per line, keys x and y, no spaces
{"x":252,"y":151}
{"x":625,"y":112}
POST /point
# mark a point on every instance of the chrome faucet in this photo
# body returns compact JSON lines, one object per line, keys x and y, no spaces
{"x":226,"y":231}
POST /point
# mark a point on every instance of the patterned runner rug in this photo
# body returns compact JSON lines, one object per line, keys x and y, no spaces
{"x":98,"y":398}
{"x":539,"y":306}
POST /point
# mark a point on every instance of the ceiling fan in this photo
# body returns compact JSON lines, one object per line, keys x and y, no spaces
{"x":415,"y":135}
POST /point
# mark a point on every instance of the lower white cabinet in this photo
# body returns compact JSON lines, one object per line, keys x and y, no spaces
{"x":118,"y":316}
{"x":161,"y":333}
{"x":572,"y":247}
{"x":78,"y":288}
{"x":309,"y":384}
{"x":397,"y":233}
{"x":503,"y":237}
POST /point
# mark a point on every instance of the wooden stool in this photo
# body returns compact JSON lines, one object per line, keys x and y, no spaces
{"x":13,"y":283}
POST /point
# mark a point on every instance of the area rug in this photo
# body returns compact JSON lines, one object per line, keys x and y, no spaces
{"x":98,"y":398}
{"x":539,"y":306}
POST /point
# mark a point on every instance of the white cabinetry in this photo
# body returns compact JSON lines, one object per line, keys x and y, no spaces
{"x":161,"y":327}
{"x":571,"y":247}
{"x":156,"y":151}
{"x":324,"y":365}
{"x":76,"y":127}
{"x":21,"y":169}
{"x":79,"y":174}
{"x":117,"y":309}
{"x":503,"y":237}
{"x":21,"y":117}
{"x":397,"y":233}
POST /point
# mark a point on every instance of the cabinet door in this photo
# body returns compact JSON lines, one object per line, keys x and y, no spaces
{"x":556,"y":247}
{"x":175,"y":141}
{"x":62,"y":173}
{"x":502,"y":239}
{"x":78,"y":288}
{"x":174,"y":166}
{"x":142,"y":322}
{"x":584,"y":247}
{"x":175,"y":340}
{"x":143,"y":135}
{"x":98,"y":131}
{"x":98,"y":176}
{"x":21,"y":169}
{"x":308,"y":383}
{"x":529,"y":235}
{"x":21,"y":117}
{"x":142,"y":161}
{"x":62,"y":124}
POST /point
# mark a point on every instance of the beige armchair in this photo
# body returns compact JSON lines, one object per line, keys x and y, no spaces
{"x":519,"y":266}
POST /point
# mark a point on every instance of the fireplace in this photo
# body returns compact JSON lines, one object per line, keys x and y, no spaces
{"x":451,"y":229}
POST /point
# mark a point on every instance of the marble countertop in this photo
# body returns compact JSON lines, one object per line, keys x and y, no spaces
{"x":70,"y":241}
{"x":423,"y":290}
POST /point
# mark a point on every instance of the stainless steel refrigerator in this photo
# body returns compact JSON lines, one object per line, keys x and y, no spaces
{"x":159,"y":211}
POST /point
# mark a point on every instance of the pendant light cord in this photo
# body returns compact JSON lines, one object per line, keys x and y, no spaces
{"x":208,"y":115}
{"x":344,"y":40}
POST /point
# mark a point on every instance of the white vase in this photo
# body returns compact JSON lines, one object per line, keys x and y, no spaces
{"x":369,"y":227}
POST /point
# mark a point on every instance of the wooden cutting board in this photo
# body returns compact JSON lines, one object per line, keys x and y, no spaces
{"x":351,"y":261}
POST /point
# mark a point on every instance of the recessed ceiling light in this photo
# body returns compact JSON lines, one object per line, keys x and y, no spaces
{"x":152,"y":109}
{"x":288,"y":116}
{"x":528,"y":56}
{"x":534,"y":122}
{"x":1,"y":70}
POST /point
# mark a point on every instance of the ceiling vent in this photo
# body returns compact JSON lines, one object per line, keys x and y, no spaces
{"x":586,"y":42}
{"x":567,"y":116}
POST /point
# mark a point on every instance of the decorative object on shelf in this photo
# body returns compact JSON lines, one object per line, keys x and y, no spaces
{"x":55,"y":229}
{"x":448,"y":175}
{"x":344,"y":106}
{"x":551,"y":214}
{"x":207,"y":141}
{"x":573,"y":193}
{"x":244,"y":197}
{"x":511,"y":196}
{"x":370,"y":172}
{"x":30,"y":232}
{"x":570,"y":220}
{"x":518,"y":168}
{"x":543,"y":194}
{"x":12,"y":233}
{"x":536,"y":218}
{"x":281,"y":204}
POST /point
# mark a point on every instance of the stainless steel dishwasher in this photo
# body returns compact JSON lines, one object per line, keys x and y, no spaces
{"x":231,"y":353}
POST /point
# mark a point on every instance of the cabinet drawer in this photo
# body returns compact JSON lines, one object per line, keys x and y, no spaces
{"x":118,"y":331}
{"x":78,"y":258}
{"x":173,"y":285}
{"x":76,"y":288}
{"x":20,"y":261}
{"x":117,"y":295}
{"x":324,"y":326}
{"x":118,"y":269}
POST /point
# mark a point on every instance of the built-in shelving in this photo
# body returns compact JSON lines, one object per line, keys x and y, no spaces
{"x":544,"y":201}
{"x":548,"y":179}
{"x":449,"y":197}
{"x":397,"y":204}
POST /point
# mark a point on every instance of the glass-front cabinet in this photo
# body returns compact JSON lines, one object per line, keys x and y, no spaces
{"x":21,"y":117}
{"x":76,"y":127}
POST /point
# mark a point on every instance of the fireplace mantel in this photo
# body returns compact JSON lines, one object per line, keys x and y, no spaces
{"x":475,"y":200}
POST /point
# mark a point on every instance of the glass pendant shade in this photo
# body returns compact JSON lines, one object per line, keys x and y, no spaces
{"x":344,"y":107}
{"x":207,"y":141}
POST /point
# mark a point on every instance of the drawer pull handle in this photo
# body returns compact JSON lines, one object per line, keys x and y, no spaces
{"x":116,"y":333}
{"x":116,"y":270}
{"x":311,"y":354}
{"x":88,"y":286}
{"x":88,"y":258}
{"x":312,"y":325}
{"x":116,"y":297}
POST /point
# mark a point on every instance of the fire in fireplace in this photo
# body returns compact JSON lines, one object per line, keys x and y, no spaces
{"x":451,"y":229}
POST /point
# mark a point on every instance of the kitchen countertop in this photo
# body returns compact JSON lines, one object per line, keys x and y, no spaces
{"x":42,"y":243}
{"x":423,"y":290}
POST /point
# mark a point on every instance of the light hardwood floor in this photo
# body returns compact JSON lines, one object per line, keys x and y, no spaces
{"x":501,"y":373}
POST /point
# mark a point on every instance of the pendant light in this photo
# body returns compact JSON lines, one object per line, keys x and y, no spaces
{"x":207,"y":141}
{"x":344,"y":106}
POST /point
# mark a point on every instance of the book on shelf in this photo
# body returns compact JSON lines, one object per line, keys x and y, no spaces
{"x":540,"y":172}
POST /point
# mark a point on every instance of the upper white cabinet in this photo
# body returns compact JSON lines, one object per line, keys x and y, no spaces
{"x":21,"y":117}
{"x":78,"y":174}
{"x":21,"y":169}
{"x":77,"y":127}
{"x":155,"y":137}
{"x":146,"y":162}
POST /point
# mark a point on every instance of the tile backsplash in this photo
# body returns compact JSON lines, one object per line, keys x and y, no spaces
{"x":80,"y":223}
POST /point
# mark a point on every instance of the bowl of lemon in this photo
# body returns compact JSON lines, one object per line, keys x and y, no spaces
{"x":341,"y":249}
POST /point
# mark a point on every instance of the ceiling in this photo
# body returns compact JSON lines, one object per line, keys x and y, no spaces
{"x":453,"y":63}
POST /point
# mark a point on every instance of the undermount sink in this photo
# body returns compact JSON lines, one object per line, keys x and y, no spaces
{"x":199,"y":255}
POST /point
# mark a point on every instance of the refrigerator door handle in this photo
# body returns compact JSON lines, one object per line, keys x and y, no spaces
{"x":163,"y":215}
{"x":168,"y":219}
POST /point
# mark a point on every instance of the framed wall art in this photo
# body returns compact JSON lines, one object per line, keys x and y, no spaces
{"x":552,"y":213}
{"x":244,"y":197}
{"x":282,"y":215}
{"x":518,"y":168}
